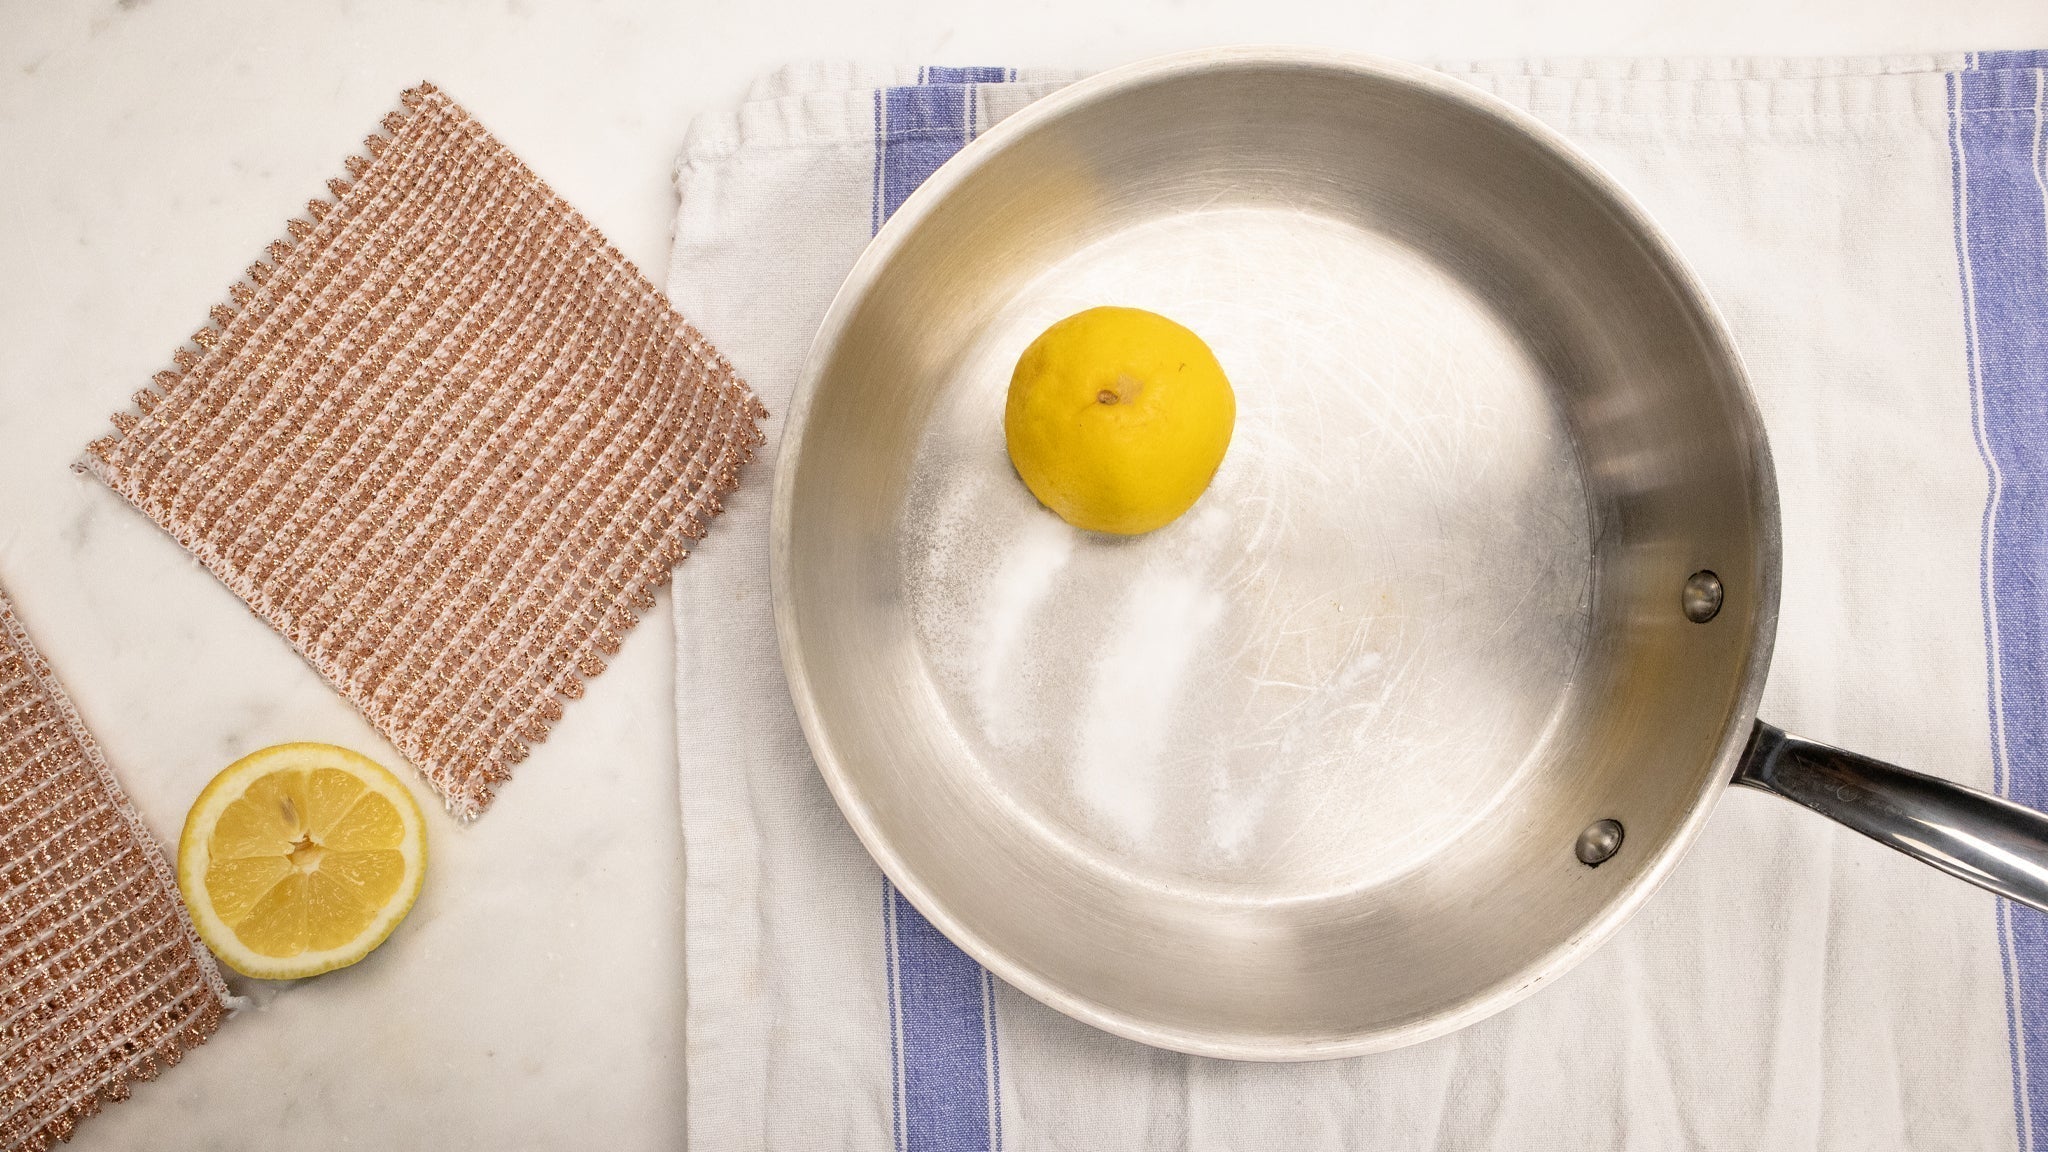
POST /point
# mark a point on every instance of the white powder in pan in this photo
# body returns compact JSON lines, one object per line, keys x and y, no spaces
{"x":1137,"y":680}
{"x":1022,"y":580}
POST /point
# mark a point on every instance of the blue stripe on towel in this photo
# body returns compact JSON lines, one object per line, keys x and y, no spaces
{"x":942,"y":75}
{"x":2001,"y":221}
{"x":945,"y":1073}
{"x":921,"y":127}
{"x":943,"y":1012}
{"x":2000,"y":61}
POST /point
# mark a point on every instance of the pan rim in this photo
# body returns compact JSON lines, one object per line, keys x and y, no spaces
{"x":1544,"y":968}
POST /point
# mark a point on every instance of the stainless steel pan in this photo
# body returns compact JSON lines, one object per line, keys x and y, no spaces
{"x":1438,"y":680}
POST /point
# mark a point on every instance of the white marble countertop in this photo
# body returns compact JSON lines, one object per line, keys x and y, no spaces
{"x":534,"y":998}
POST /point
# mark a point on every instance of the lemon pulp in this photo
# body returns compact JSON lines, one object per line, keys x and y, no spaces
{"x":300,"y":859}
{"x":1117,"y":419}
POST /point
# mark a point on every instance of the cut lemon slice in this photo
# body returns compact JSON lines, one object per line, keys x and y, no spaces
{"x":300,"y":859}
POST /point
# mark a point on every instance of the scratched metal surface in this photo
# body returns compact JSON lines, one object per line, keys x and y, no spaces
{"x":1300,"y":774}
{"x":1273,"y":693}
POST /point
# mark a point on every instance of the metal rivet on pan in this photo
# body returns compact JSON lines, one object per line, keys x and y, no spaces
{"x":1600,"y":840}
{"x":1702,"y":598}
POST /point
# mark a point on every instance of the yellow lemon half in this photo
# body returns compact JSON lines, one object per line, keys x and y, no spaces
{"x":1118,"y":418}
{"x":300,"y":859}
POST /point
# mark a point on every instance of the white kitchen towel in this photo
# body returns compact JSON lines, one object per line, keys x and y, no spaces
{"x":1875,"y":232}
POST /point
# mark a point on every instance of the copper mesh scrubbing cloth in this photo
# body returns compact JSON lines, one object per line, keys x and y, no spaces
{"x":105,"y":980}
{"x":446,"y":441}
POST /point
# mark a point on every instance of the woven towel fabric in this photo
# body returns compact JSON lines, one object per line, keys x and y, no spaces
{"x":106,"y":982}
{"x":1875,"y":232}
{"x":446,"y":440}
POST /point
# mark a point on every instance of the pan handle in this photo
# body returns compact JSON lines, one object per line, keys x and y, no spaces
{"x":1990,"y":842}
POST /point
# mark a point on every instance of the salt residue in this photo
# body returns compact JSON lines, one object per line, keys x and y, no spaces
{"x":1137,"y":680}
{"x":1022,"y":579}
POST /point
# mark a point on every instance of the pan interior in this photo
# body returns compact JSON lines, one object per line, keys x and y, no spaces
{"x":1300,"y":774}
{"x":1344,"y":653}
